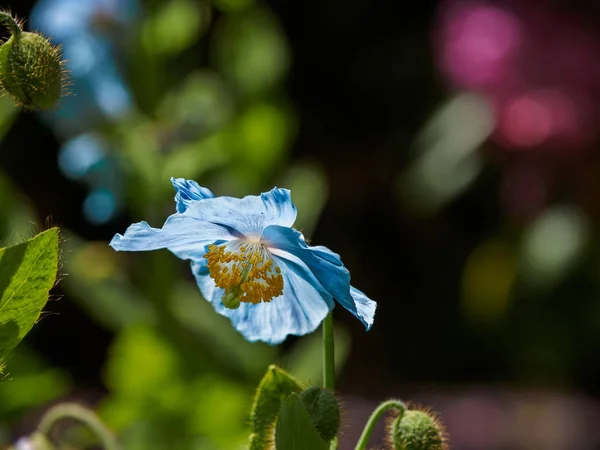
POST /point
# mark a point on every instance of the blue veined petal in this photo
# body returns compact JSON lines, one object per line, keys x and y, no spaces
{"x":249,"y":215}
{"x":187,"y":192}
{"x":185,"y":236}
{"x":325,"y":265}
{"x":299,"y":311}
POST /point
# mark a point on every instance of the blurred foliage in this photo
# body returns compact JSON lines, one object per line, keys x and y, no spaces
{"x":495,"y":251}
{"x":177,"y":375}
{"x":30,"y":382}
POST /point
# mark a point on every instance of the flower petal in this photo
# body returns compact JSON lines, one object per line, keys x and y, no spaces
{"x":249,"y":215}
{"x":365,"y":307}
{"x":325,"y":265}
{"x":188,"y":191}
{"x":183,"y":235}
{"x":299,"y":311}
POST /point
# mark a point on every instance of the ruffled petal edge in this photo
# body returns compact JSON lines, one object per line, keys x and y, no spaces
{"x":188,"y":191}
{"x":249,"y":215}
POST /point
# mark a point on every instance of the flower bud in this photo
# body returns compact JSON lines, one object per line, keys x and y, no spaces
{"x":417,"y":430}
{"x":31,"y":69}
{"x":323,"y":410}
{"x":275,"y":387}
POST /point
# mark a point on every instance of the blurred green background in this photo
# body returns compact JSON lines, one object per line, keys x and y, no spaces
{"x":446,"y":149}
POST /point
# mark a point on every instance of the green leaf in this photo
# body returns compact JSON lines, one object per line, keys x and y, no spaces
{"x":295,"y":430}
{"x":27,"y":273}
{"x":273,"y":389}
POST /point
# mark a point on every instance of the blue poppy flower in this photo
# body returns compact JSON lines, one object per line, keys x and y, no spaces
{"x":250,"y":264}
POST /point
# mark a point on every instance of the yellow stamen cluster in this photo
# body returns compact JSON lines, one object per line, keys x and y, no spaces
{"x":246,"y":272}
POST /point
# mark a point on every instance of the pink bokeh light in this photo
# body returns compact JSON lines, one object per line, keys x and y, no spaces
{"x":537,"y":66}
{"x":479,"y":41}
{"x":536,"y":118}
{"x":526,"y":121}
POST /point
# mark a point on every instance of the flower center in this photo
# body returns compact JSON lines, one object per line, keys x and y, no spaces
{"x":246,"y":271}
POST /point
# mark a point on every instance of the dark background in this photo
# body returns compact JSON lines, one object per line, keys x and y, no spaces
{"x":363,"y":82}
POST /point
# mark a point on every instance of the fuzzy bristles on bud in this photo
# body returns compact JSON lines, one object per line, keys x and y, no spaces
{"x":417,"y":429}
{"x":323,"y":410}
{"x":31,"y":68}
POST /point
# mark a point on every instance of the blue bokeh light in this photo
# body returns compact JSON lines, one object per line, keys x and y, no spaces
{"x":99,"y":206}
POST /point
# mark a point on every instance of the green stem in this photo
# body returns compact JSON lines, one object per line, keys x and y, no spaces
{"x":11,"y":23}
{"x":329,"y":361}
{"x":328,"y":353}
{"x":85,"y":416}
{"x":381,"y":409}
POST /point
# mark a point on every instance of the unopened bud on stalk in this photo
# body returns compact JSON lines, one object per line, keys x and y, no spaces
{"x":416,"y":429}
{"x":31,"y":69}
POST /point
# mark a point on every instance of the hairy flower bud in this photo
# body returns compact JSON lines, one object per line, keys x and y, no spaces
{"x":274,"y":388}
{"x":323,"y":410}
{"x":31,"y":69}
{"x":417,"y":430}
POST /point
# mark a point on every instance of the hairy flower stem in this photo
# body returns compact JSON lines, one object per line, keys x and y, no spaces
{"x":77,"y":412}
{"x":381,"y":409}
{"x":11,"y":24}
{"x":328,"y":353}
